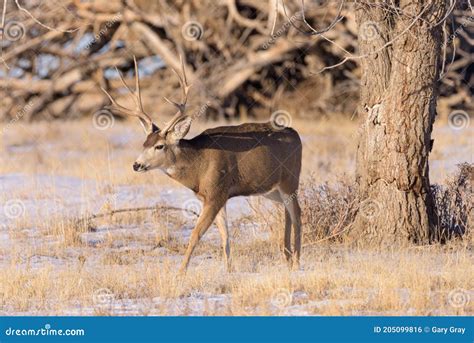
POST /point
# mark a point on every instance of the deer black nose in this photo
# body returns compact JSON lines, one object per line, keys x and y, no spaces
{"x":136,"y":166}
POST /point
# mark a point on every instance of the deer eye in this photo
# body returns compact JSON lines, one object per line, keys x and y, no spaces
{"x":159,"y":147}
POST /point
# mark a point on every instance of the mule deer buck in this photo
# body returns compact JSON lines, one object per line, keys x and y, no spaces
{"x":221,"y":163}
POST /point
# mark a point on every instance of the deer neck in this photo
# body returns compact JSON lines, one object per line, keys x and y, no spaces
{"x":183,"y":161}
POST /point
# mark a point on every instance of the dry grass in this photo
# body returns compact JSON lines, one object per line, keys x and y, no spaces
{"x":336,"y":281}
{"x":127,"y":264}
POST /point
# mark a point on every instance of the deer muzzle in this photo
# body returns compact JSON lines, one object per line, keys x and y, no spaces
{"x":138,"y":167}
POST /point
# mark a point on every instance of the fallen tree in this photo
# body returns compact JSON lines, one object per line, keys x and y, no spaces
{"x":244,"y":57}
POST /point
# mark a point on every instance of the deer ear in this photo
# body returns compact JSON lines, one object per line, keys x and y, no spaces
{"x":179,"y":130}
{"x":154,"y":128}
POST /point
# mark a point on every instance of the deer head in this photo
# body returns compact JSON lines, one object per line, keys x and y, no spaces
{"x":160,"y":146}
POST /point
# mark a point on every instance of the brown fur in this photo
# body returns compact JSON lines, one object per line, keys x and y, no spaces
{"x":228,"y":161}
{"x":221,"y":163}
{"x":237,"y":160}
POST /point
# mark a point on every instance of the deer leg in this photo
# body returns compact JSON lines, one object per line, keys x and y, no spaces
{"x":296,"y":234}
{"x":221,"y":222}
{"x":205,"y":220}
{"x":287,"y":238}
{"x":294,"y":210}
{"x":286,"y":242}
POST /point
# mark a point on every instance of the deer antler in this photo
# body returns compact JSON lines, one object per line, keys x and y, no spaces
{"x":183,"y":82}
{"x":138,"y":111}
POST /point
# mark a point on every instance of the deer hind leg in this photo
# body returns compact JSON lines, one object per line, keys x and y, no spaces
{"x":293,"y":209}
{"x":297,"y":234}
{"x":286,"y":242}
{"x":221,"y":222}
{"x":287,"y":238}
{"x":205,"y":220}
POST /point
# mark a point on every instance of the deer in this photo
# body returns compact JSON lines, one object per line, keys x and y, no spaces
{"x":221,"y":163}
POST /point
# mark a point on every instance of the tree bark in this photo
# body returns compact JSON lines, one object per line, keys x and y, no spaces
{"x":398,"y":108}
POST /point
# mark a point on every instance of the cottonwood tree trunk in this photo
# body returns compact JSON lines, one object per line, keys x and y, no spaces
{"x":398,"y":108}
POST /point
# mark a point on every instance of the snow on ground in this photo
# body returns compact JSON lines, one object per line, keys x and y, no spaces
{"x":41,"y":196}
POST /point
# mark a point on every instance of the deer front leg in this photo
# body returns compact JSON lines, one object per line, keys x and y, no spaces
{"x":207,"y":216}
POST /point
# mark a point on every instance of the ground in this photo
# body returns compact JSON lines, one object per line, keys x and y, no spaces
{"x":127,"y":264}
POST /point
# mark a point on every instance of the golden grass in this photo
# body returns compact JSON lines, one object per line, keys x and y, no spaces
{"x":336,"y":281}
{"x":51,"y":266}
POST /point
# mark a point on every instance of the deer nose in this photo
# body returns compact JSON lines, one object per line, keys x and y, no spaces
{"x":136,"y":166}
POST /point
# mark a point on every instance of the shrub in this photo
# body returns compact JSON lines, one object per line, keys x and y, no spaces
{"x":453,"y":204}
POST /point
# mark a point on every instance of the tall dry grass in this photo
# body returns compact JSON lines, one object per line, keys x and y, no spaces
{"x":127,"y":264}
